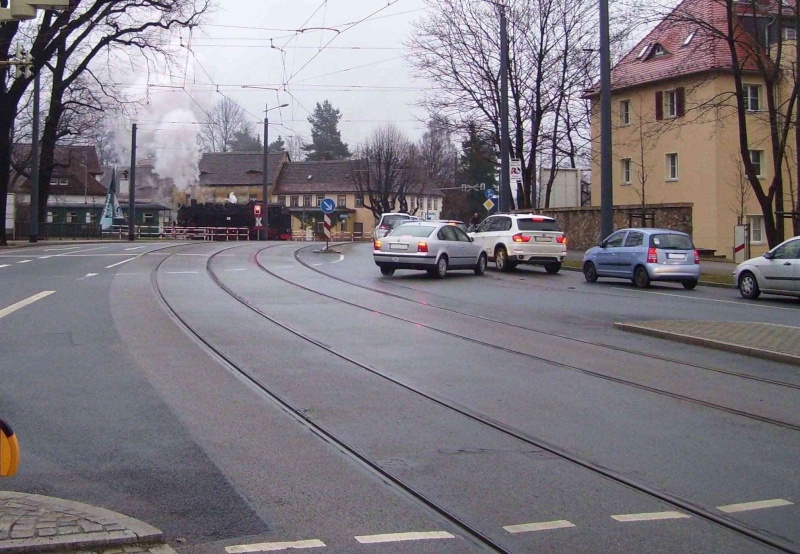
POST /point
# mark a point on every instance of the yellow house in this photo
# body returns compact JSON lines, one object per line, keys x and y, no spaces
{"x":675,"y":134}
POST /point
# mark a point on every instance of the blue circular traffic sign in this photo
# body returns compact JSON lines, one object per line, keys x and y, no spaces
{"x":327,"y":206}
{"x":489,"y":193}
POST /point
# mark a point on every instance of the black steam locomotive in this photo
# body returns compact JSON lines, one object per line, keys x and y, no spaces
{"x":236,"y":215}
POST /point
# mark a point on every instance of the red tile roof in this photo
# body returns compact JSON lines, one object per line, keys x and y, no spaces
{"x":706,"y":52}
{"x":225,"y":169}
{"x":313,"y":177}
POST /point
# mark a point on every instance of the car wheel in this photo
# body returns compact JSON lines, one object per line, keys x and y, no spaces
{"x":552,"y":268}
{"x":689,"y":285}
{"x":590,"y":272}
{"x":387,"y":270}
{"x":748,"y":286}
{"x":441,"y":268}
{"x":640,"y":277}
{"x":480,"y":269}
{"x":501,"y":260}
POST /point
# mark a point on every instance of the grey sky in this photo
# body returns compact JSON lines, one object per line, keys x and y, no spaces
{"x":362,"y":69}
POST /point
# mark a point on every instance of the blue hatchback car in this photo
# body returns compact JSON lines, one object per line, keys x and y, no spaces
{"x":643,"y":255}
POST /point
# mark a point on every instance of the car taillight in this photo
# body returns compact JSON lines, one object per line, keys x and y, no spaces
{"x":696,"y":257}
{"x":519,"y":237}
{"x":422,"y":247}
{"x":561,"y":240}
{"x":376,"y":245}
{"x":652,"y":256}
{"x":383,"y":227}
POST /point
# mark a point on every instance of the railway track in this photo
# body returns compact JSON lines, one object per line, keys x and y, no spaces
{"x":475,"y":535}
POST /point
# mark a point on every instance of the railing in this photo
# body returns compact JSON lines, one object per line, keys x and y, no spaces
{"x":208,"y":233}
{"x":338,"y":236}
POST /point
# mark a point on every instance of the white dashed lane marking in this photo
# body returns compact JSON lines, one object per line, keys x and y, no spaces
{"x":22,"y":303}
{"x":3,"y":265}
{"x":181,"y":273}
{"x":758,"y":505}
{"x":398,"y":537}
{"x":652,"y":516}
{"x":24,"y":261}
{"x":540,"y":526}
{"x":274,"y":546}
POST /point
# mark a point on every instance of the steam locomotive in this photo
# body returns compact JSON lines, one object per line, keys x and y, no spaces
{"x":228,"y":214}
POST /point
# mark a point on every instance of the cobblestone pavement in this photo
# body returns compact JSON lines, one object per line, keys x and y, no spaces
{"x":35,"y":523}
{"x":762,"y":340}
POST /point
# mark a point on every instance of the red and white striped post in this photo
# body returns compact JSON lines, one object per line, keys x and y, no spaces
{"x":327,"y":220}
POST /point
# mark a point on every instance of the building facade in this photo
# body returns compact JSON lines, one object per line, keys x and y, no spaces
{"x":675,"y":127}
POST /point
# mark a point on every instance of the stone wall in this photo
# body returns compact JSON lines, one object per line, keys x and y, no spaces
{"x":582,"y":225}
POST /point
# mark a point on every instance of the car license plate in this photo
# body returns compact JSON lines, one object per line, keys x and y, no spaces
{"x":396,"y":246}
{"x":676,"y":256}
{"x":543,"y":239}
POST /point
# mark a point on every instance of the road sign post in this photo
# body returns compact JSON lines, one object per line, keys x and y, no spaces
{"x":327,"y":206}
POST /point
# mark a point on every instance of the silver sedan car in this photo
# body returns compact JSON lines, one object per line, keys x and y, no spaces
{"x":776,"y":272}
{"x":433,"y":246}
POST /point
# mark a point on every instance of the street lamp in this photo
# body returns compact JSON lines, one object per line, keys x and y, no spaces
{"x":505,"y":141}
{"x":265,"y":178}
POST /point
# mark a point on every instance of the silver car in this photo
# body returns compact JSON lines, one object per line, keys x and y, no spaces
{"x":644,"y":255}
{"x":433,"y":246}
{"x":776,"y":272}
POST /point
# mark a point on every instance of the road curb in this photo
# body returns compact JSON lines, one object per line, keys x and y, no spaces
{"x":710,"y":343}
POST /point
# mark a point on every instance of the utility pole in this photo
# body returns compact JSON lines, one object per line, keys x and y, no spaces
{"x":606,"y":190}
{"x":505,"y":177}
{"x":265,"y":167}
{"x":34,"y":209}
{"x":132,"y":189}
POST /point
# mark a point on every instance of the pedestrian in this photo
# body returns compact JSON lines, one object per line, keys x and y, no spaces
{"x":473,"y":223}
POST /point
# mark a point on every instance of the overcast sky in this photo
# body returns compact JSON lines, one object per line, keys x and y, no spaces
{"x":351,"y":54}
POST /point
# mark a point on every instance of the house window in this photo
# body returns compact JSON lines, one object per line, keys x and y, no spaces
{"x":689,"y":38}
{"x":307,"y":201}
{"x":752,"y":97}
{"x":250,"y":197}
{"x":148,"y":217}
{"x":320,"y":198}
{"x":789,"y":33}
{"x":58,"y":182}
{"x":294,"y":201}
{"x":625,"y":112}
{"x":435,"y":203}
{"x":625,"y":170}
{"x":72,"y":217}
{"x":88,"y":217}
{"x":672,"y":167}
{"x":49,"y":217}
{"x":658,"y":50}
{"x":359,"y":201}
{"x":756,"y":228}
{"x":282,"y":200}
{"x":341,"y":201}
{"x":429,"y":203}
{"x":669,"y":104}
{"x":757,"y":159}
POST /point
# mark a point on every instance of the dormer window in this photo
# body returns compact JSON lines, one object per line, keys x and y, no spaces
{"x":689,"y":38}
{"x":658,"y":50}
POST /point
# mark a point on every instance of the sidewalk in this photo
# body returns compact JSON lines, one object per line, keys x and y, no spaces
{"x":34,"y":523}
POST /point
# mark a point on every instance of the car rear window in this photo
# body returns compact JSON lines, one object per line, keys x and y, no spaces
{"x":671,"y":242}
{"x":389,"y":219}
{"x":412,"y":231}
{"x":538,"y":225}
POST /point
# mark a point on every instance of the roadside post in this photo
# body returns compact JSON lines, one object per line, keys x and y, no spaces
{"x":327,"y":206}
{"x":9,"y":450}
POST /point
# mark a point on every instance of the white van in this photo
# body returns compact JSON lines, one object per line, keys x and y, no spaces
{"x":389,"y":221}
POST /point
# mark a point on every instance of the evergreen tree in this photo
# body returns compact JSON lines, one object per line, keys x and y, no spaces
{"x":245,"y":140}
{"x":277,"y":145}
{"x":478,"y":165}
{"x":326,"y":141}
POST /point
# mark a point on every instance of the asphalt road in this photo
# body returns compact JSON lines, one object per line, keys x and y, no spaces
{"x":325,"y":402}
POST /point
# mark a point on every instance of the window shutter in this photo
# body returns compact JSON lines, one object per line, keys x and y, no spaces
{"x":679,"y":101}
{"x":659,"y":105}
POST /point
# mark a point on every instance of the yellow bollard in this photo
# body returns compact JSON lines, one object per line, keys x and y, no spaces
{"x":9,"y":451}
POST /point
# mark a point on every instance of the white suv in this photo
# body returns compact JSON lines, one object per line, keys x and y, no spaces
{"x":389,"y":221}
{"x":511,"y":239}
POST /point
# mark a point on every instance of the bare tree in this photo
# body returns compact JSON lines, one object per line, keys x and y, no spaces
{"x":222,"y":123}
{"x":385,"y":171}
{"x":438,"y":156}
{"x":68,"y":43}
{"x":457,"y":48}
